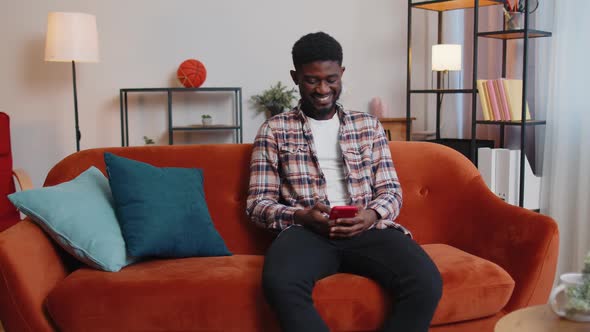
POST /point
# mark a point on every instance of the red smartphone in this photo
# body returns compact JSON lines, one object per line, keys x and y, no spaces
{"x":346,"y":211}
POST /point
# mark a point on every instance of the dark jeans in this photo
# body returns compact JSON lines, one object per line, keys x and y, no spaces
{"x":299,"y":257}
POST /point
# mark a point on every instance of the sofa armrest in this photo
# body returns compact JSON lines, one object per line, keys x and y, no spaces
{"x":523,"y":242}
{"x":30,"y":267}
{"x":23,"y":179}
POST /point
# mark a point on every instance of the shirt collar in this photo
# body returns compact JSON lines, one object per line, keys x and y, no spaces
{"x":342,"y":113}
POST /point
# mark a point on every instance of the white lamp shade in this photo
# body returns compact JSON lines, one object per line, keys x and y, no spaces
{"x":446,"y":57}
{"x":71,"y":37}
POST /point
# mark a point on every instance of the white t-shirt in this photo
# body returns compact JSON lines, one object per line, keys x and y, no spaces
{"x":325,"y":136}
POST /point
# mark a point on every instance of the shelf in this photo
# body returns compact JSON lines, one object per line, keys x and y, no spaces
{"x":218,"y":89}
{"x":513,"y":123}
{"x":236,"y":100}
{"x":514,"y":34}
{"x":445,"y":5}
{"x":440,"y":6}
{"x":202,"y":127}
{"x":443,"y":91}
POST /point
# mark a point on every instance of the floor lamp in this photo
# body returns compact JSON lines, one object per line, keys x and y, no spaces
{"x":445,"y":58}
{"x":72,"y":37}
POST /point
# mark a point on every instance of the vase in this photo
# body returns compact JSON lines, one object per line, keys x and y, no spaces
{"x":513,"y":21}
{"x":207,"y":121}
{"x":274,"y":110}
{"x":566,"y":299}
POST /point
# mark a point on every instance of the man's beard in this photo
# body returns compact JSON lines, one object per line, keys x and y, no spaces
{"x":307,"y":105}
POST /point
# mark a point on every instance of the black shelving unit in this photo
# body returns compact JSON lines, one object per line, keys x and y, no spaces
{"x":525,"y":35}
{"x":236,"y":127}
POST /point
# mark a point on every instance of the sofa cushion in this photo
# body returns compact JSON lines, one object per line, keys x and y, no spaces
{"x":79,"y":215}
{"x":162,"y":211}
{"x":224,"y":293}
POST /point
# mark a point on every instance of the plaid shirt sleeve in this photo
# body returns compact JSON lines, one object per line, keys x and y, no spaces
{"x":263,"y":205}
{"x":387,"y":191}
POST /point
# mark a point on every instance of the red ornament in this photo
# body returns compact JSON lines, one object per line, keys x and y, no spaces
{"x":192,"y":73}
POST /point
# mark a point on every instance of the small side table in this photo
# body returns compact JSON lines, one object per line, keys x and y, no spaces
{"x":538,"y":319}
{"x":395,"y":128}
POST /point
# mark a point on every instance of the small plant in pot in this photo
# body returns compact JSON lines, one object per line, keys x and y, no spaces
{"x":275,"y":99}
{"x":148,"y":141}
{"x":579,"y":295}
{"x":206,"y":119}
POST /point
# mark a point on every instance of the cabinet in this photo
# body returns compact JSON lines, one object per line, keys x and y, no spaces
{"x":395,"y":128}
{"x":235,"y":127}
{"x":521,"y":35}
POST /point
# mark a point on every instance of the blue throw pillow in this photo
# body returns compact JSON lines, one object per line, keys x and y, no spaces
{"x":162,"y":211}
{"x":79,"y":215}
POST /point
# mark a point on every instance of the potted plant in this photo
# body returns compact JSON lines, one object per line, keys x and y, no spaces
{"x":206,"y":119}
{"x":578,"y":304}
{"x":148,"y":140}
{"x":574,"y":303}
{"x":275,"y":99}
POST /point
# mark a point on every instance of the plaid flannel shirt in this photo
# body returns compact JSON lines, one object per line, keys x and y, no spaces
{"x":285,"y":174}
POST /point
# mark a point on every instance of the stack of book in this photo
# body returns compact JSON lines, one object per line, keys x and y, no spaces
{"x":500,"y":169}
{"x":501,"y":100}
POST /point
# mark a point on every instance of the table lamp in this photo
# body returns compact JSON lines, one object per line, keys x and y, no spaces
{"x":72,"y":37}
{"x":445,"y":58}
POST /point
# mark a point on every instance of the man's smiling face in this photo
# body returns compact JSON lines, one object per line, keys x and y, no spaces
{"x":320,"y":85}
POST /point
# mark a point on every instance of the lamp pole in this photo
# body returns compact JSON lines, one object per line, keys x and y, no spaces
{"x":78,"y":134}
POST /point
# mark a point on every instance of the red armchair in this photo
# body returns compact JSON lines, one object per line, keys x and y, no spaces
{"x":8,"y":213}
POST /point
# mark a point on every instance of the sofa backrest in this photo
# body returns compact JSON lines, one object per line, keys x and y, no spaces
{"x":431,"y":175}
{"x":225,"y":169}
{"x":437,"y":184}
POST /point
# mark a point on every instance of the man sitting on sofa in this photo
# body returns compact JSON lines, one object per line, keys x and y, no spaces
{"x":320,"y":155}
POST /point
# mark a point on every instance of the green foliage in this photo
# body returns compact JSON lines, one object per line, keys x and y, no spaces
{"x":148,"y":140}
{"x":579,"y":296}
{"x":275,"y":99}
{"x":206,"y":116}
{"x":586,"y":270}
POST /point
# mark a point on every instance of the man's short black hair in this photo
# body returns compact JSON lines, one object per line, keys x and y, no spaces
{"x":318,"y":46}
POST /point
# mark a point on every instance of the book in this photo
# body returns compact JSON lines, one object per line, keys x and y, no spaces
{"x":498,"y":101}
{"x":506,"y":175}
{"x":513,"y":91}
{"x":483,"y":98}
{"x":486,"y":164}
{"x":532,"y":184}
{"x":502,"y":99}
{"x":493,"y":100}
{"x":506,"y":172}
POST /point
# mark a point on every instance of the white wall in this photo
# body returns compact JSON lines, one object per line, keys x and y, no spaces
{"x":242,"y":43}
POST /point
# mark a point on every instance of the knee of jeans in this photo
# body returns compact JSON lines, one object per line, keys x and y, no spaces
{"x":431,"y":284}
{"x":277,"y":282}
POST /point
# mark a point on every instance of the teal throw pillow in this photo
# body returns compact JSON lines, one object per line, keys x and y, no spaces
{"x":162,"y":211}
{"x":79,"y":215}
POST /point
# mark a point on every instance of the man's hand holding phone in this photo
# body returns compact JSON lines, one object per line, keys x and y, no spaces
{"x":339,"y":222}
{"x":349,"y":221}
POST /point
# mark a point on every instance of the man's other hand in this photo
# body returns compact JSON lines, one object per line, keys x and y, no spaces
{"x":315,"y":218}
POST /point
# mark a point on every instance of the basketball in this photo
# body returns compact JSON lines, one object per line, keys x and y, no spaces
{"x":191,"y":73}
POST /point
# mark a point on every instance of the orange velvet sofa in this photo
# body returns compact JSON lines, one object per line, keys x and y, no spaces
{"x":494,"y":258}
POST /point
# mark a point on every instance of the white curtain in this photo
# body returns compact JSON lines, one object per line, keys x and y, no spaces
{"x":565,"y":193}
